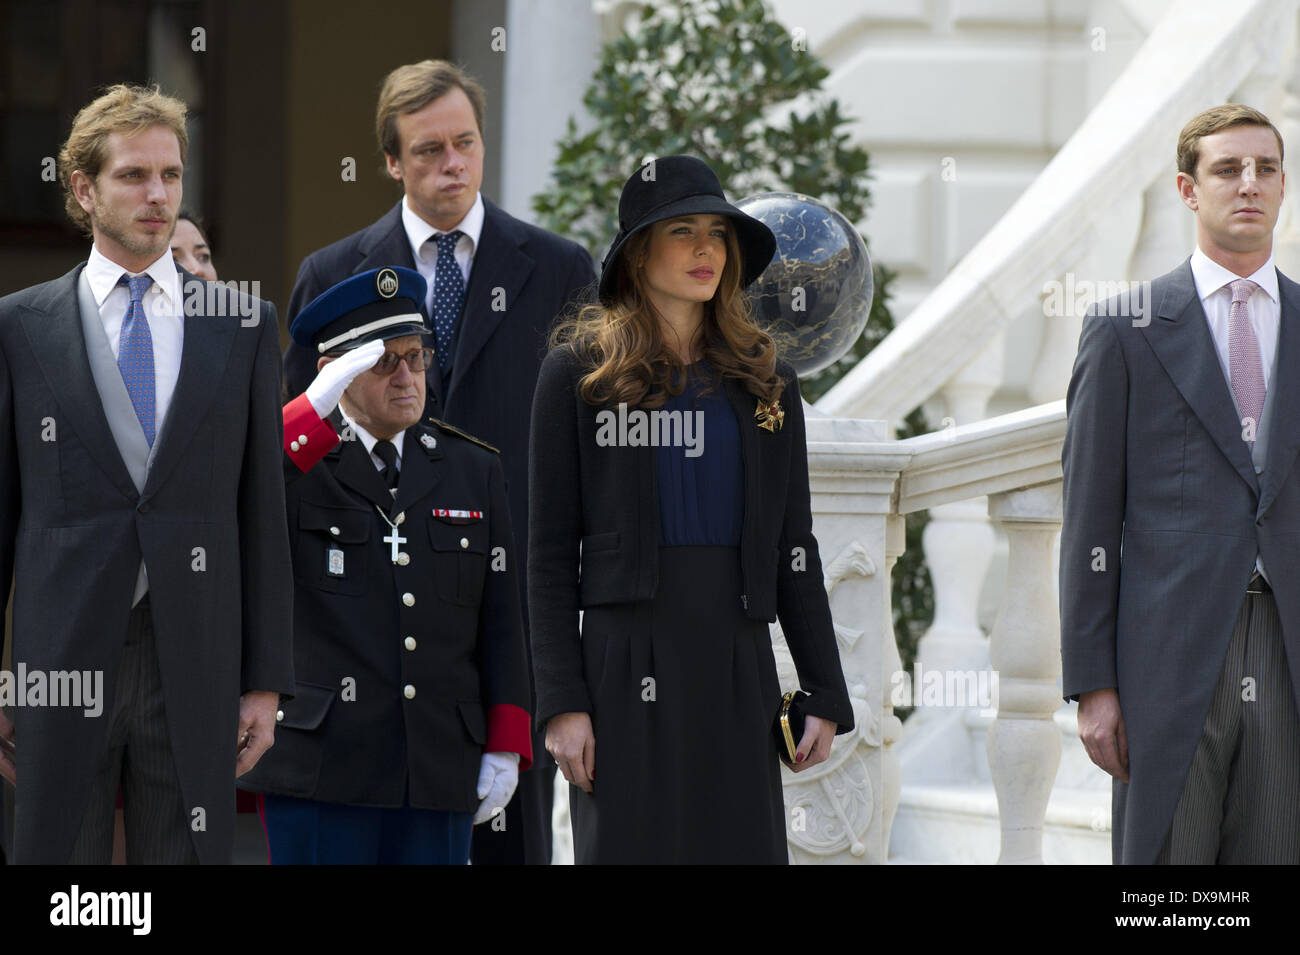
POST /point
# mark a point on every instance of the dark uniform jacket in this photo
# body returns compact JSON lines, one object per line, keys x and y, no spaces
{"x":606,"y":498}
{"x":408,"y":672}
{"x":521,"y":279}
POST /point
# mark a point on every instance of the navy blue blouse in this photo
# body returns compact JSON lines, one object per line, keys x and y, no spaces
{"x":702,"y":478}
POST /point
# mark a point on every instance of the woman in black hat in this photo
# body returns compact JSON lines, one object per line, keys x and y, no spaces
{"x":669,"y":502}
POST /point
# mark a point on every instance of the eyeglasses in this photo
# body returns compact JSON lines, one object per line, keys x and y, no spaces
{"x":417,"y":361}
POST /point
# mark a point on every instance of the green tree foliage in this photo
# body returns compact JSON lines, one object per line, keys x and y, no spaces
{"x":723,"y":80}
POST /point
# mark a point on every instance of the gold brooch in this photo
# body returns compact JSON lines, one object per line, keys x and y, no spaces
{"x":770,"y":417}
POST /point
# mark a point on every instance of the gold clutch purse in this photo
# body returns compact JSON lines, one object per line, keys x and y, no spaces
{"x":788,"y":728}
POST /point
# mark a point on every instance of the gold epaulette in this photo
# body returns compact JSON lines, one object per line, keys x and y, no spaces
{"x":468,"y":437}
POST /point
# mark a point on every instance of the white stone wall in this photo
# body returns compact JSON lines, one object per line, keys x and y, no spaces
{"x":961,"y":103}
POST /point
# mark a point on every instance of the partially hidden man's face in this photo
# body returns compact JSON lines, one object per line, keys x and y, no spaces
{"x":1237,"y":190}
{"x":133,"y":201}
{"x":441,"y":160}
{"x":386,"y":404}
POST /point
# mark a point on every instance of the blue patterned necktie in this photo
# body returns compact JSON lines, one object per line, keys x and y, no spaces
{"x":448,"y":293}
{"x":135,"y":354}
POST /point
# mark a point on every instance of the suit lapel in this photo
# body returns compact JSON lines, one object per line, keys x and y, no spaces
{"x":1284,"y":423}
{"x":54,"y":332}
{"x":385,"y":244}
{"x":205,"y":352}
{"x":1180,"y":337}
{"x":421,"y":467}
{"x":500,"y":269}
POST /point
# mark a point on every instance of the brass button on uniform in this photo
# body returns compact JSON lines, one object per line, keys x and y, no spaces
{"x":409,"y":643}
{"x":403,"y":559}
{"x":302,"y":440}
{"x":464,"y":542}
{"x":408,"y":691}
{"x":293,"y":445}
{"x":279,"y":716}
{"x":334,"y":531}
{"x":408,"y":599}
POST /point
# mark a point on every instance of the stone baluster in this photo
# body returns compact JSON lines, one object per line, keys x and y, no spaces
{"x":1024,"y":743}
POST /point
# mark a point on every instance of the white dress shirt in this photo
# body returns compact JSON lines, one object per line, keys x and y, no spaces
{"x":425,"y":253}
{"x":163,"y":308}
{"x":368,"y":441}
{"x":1213,"y":286}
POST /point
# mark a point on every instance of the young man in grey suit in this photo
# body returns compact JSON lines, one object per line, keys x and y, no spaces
{"x":141,"y":517}
{"x":1180,"y":547}
{"x":496,"y":284}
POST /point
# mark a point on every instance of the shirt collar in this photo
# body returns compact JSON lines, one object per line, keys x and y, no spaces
{"x":102,"y":273}
{"x":368,"y":440}
{"x":1210,"y":276}
{"x":418,"y":231}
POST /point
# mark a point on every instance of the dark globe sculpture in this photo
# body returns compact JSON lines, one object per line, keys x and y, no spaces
{"x":815,"y":296}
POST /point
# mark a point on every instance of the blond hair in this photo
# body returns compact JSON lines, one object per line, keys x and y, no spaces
{"x":1215,"y":120}
{"x":125,"y":109}
{"x":414,"y":86}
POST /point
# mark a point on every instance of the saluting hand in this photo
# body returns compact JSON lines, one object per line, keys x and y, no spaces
{"x":256,"y":728}
{"x":571,"y":740}
{"x":324,"y":392}
{"x":818,"y":734}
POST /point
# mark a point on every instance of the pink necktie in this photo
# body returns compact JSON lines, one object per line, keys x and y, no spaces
{"x":1245,"y":368}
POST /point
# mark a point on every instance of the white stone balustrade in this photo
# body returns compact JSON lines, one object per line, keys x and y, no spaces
{"x":1024,"y":744}
{"x":842,"y":811}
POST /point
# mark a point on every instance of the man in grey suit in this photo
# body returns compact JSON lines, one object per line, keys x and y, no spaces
{"x":141,"y":518}
{"x":1180,"y":547}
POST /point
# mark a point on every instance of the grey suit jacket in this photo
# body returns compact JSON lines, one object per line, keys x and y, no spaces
{"x":1164,"y":513}
{"x":208,"y":521}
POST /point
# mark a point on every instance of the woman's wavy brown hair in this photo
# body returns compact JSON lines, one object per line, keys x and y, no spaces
{"x":628,"y":359}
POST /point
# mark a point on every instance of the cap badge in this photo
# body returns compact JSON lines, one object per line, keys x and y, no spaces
{"x":386,"y":283}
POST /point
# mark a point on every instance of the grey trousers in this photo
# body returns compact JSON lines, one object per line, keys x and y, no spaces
{"x":1241,"y":801}
{"x":138,"y":754}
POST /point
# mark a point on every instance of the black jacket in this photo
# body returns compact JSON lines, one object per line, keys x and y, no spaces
{"x":445,"y":624}
{"x":606,"y":499}
{"x":209,"y":525}
{"x":521,"y":279}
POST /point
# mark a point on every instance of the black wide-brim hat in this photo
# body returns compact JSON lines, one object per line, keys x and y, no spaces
{"x":674,"y":186}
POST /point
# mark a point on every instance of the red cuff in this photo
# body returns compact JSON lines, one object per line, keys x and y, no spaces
{"x":307,"y":436}
{"x":509,"y":731}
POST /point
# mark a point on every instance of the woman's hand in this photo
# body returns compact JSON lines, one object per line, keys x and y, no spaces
{"x":570,"y":739}
{"x":818,"y":734}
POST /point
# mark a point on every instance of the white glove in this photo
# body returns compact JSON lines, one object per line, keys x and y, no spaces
{"x":334,"y":378}
{"x":498,"y":775}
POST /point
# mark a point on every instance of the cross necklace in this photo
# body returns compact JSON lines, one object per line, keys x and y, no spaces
{"x":399,"y":557}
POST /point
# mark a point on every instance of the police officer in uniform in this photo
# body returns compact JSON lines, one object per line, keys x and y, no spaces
{"x":410,"y":718}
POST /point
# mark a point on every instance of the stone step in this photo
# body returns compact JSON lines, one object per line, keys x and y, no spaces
{"x":958,"y":824}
